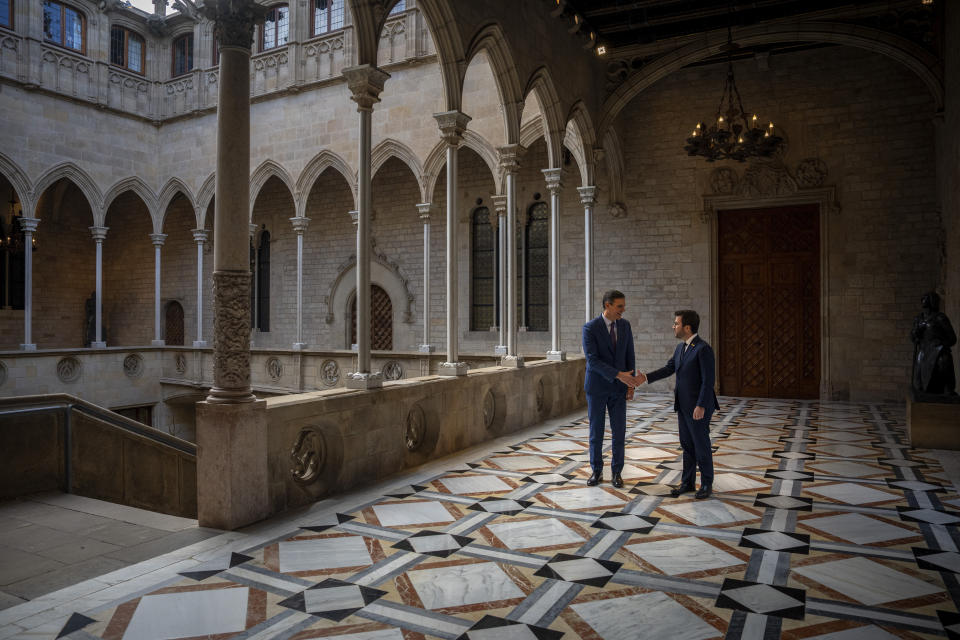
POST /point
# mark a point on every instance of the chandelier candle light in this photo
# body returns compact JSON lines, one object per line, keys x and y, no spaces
{"x":732,"y":136}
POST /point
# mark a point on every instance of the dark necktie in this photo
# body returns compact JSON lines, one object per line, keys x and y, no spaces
{"x":613,"y":334}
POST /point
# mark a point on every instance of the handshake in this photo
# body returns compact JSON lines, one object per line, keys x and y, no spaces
{"x":628,"y":378}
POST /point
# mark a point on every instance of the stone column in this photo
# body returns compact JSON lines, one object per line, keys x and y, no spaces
{"x":200,"y":237}
{"x":99,"y":235}
{"x":452,"y":125}
{"x":157,"y":239}
{"x":232,"y":470}
{"x":424,"y":209}
{"x":28,"y":226}
{"x":299,"y":226}
{"x":509,"y":164}
{"x":554,"y":179}
{"x":500,"y":211}
{"x":365,"y":83}
{"x":588,"y":197}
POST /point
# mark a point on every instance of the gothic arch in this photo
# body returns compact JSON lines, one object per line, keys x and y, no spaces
{"x":580,"y":139}
{"x":390,"y":148}
{"x":139,"y":187}
{"x":437,"y":161}
{"x":924,"y":64}
{"x":20,"y":182}
{"x":204,"y":197}
{"x":167,"y":194}
{"x":269,"y":169}
{"x":542,"y":85}
{"x":613,"y":156}
{"x":321,"y":162}
{"x":493,"y":41}
{"x":78,"y":177}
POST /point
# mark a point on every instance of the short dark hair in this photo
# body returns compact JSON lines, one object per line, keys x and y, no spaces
{"x":611,"y":295}
{"x":689,"y":317}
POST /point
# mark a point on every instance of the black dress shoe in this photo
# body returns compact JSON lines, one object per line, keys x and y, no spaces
{"x":617,"y":481}
{"x":595,"y":479}
{"x":681,"y":489}
{"x":705,"y":491}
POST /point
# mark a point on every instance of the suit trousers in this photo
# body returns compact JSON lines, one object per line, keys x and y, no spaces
{"x":695,"y":442}
{"x":598,"y":404}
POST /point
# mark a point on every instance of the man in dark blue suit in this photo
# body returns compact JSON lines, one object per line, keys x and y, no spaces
{"x":609,"y":382}
{"x":693,"y":400}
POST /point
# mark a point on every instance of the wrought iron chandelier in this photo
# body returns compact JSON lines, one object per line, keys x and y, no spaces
{"x":732,"y":136}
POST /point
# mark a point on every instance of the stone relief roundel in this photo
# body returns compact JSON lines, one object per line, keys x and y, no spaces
{"x":133,"y":365}
{"x":393,"y":370}
{"x":489,"y":408}
{"x":330,"y":373}
{"x":180,"y":362}
{"x":723,"y":180}
{"x":68,"y":369}
{"x":3,"y":373}
{"x":307,"y":456}
{"x":811,"y":172}
{"x":414,"y":428}
{"x":274,"y":369}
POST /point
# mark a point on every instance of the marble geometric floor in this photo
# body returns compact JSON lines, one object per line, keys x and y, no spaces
{"x":823,"y":524}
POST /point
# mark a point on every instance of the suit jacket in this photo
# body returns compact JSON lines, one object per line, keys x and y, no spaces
{"x":603,"y":362}
{"x":695,"y":377}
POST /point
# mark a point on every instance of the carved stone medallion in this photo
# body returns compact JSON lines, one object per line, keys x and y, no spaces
{"x":3,"y":373}
{"x":414,"y":428}
{"x":133,"y":365}
{"x":393,"y":370}
{"x":330,"y":373}
{"x":540,"y":394}
{"x":68,"y":369}
{"x":489,"y":408}
{"x":811,"y":172}
{"x":274,"y":369}
{"x":180,"y":362}
{"x":723,"y":180}
{"x":308,"y":456}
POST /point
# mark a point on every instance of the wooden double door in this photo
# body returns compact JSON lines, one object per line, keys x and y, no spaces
{"x":769,"y":292}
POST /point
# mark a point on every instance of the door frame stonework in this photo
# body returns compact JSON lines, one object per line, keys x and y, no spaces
{"x":826,"y":199}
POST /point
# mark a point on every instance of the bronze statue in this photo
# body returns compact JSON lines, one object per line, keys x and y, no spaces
{"x":933,"y":335}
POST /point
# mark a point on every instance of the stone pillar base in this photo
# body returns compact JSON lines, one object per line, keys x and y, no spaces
{"x":514,"y":362}
{"x":500,"y":350}
{"x":453,"y":369}
{"x":28,"y":347}
{"x":158,"y":343}
{"x":200,"y":344}
{"x":426,"y":348}
{"x":232,"y":477}
{"x":363,"y":381}
{"x":934,"y":425}
{"x":557,"y":355}
{"x":98,"y":345}
{"x":299,"y":346}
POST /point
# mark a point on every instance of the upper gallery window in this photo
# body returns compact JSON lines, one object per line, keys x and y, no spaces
{"x":399,"y":7}
{"x":276,"y":28}
{"x":327,"y":16}
{"x":182,"y":55}
{"x":6,"y":13}
{"x":63,"y":25}
{"x":126,"y":49}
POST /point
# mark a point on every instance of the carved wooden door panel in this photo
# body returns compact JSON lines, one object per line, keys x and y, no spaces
{"x":769,"y":282}
{"x":381,"y":320}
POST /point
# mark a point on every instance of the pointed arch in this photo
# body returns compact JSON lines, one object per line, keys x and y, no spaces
{"x":493,"y":41}
{"x":77,"y":176}
{"x":923,"y":63}
{"x":437,"y":161}
{"x":324,"y":160}
{"x":542,"y":85}
{"x":580,"y":138}
{"x":166,"y":196}
{"x":204,"y":197}
{"x":269,"y":169}
{"x":20,"y":182}
{"x":531,"y":132}
{"x":139,"y":187}
{"x":390,"y":148}
{"x":613,"y":155}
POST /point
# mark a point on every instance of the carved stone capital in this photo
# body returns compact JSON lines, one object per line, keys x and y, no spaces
{"x":233,"y":21}
{"x":366,"y":83}
{"x":588,"y":196}
{"x":509,"y":158}
{"x":354,"y":216}
{"x":554,"y":180}
{"x":425,"y":209}
{"x":300,"y":224}
{"x":231,"y":338}
{"x":499,"y":205}
{"x":99,"y":233}
{"x":29,"y":225}
{"x":452,"y":125}
{"x":158,"y":239}
{"x":200,"y":235}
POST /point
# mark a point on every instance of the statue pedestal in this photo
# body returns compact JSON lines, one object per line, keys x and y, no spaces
{"x":934,"y":424}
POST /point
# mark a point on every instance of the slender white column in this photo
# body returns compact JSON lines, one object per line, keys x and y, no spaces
{"x":424,"y":209}
{"x":29,"y":226}
{"x":200,"y":237}
{"x":588,"y":197}
{"x":99,"y":235}
{"x":554,"y":179}
{"x":509,"y":164}
{"x":452,"y":125}
{"x":365,"y":83}
{"x":157,"y":239}
{"x":300,"y":225}
{"x":500,"y":211}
